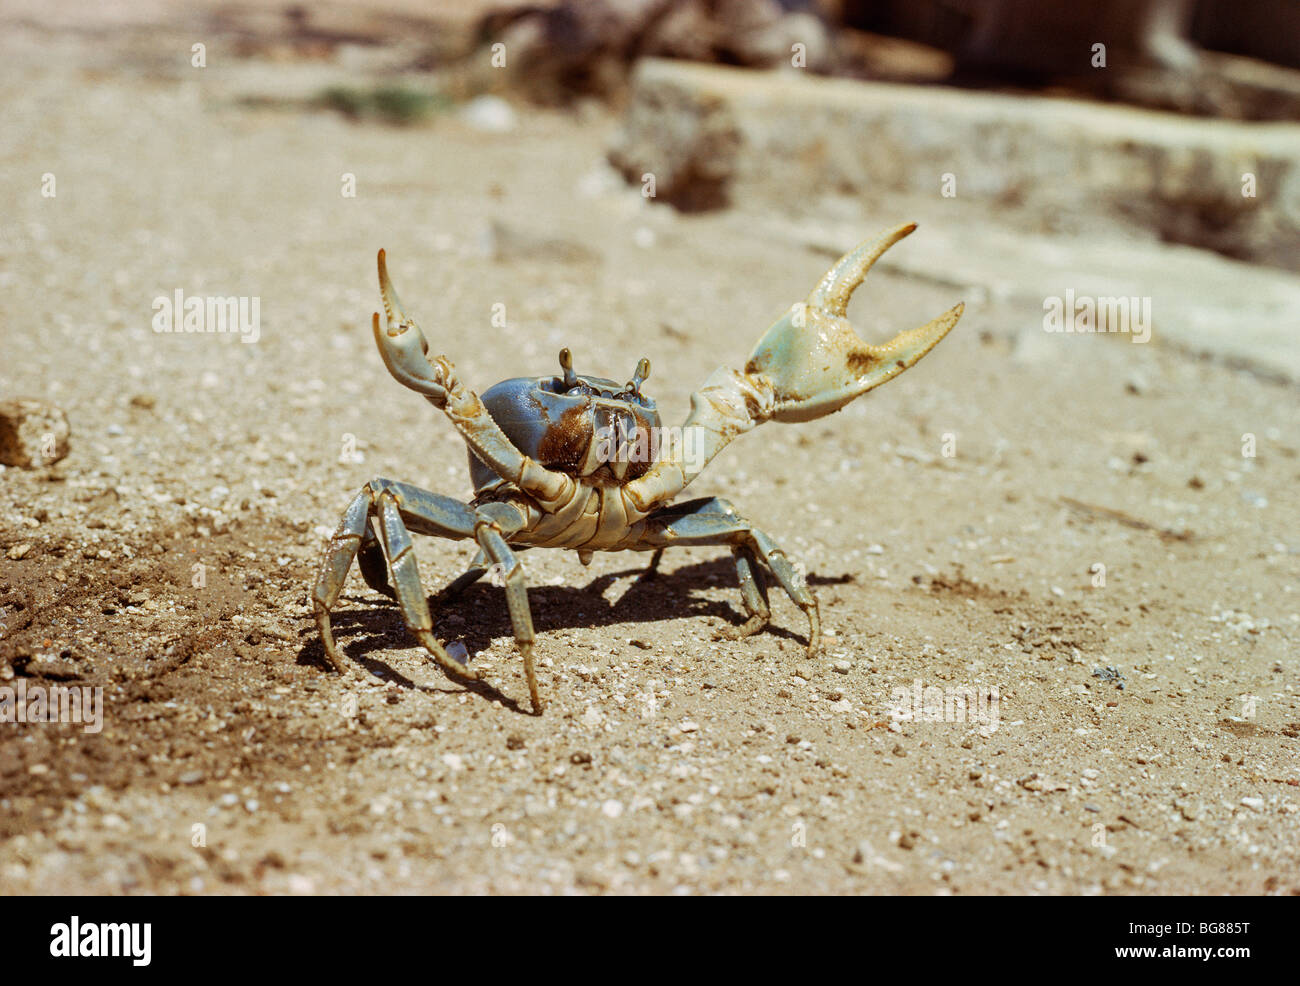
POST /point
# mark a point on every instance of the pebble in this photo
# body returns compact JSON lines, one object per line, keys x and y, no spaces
{"x":489,"y":114}
{"x":454,"y":761}
{"x":32,"y":433}
{"x":843,"y":667}
{"x":1254,"y":804}
{"x":299,"y":884}
{"x":19,"y":551}
{"x":612,"y":808}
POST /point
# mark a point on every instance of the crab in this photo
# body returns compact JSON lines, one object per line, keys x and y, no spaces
{"x":579,"y":462}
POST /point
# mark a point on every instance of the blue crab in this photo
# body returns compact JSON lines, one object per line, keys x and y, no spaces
{"x":580,"y":462}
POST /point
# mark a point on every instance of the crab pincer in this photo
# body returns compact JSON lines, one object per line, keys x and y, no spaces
{"x":813,"y":357}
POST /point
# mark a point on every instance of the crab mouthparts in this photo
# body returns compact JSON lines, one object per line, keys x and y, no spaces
{"x":616,"y":442}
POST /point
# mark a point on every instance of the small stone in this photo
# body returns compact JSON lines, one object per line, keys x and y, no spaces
{"x":843,"y":667}
{"x":687,"y":726}
{"x":458,"y":652}
{"x":190,"y":777}
{"x":489,"y":114}
{"x":612,"y":808}
{"x":454,"y":761}
{"x":514,"y":742}
{"x":1254,"y":804}
{"x":301,"y":885}
{"x":32,"y":433}
{"x":18,"y":551}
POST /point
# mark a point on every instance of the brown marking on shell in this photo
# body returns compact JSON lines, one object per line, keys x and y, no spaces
{"x":564,"y":445}
{"x":861,"y":361}
{"x":639,"y":467}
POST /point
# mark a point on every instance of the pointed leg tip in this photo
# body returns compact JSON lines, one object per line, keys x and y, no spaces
{"x":327,"y":640}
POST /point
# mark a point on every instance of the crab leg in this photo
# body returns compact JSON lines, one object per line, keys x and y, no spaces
{"x":714,"y":520}
{"x":400,"y":551}
{"x":753,"y":590}
{"x":521,"y":617}
{"x":477,"y":569}
{"x":334,"y":570}
{"x":810,"y":363}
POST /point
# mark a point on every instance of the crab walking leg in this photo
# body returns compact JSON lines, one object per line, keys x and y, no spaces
{"x":753,"y":590}
{"x":651,"y":570}
{"x":354,"y":539}
{"x":521,"y":617}
{"x":334,"y":570}
{"x":477,"y":569}
{"x":373,"y":565}
{"x":405,"y":575}
{"x":715,"y":521}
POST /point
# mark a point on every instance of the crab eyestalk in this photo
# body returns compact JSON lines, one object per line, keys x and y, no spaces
{"x":813,"y":357}
{"x":639,"y":377}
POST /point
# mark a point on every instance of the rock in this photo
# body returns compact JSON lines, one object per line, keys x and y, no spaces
{"x":489,"y":114}
{"x":713,"y":135}
{"x":32,"y":433}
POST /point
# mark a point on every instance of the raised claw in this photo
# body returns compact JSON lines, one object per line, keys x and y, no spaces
{"x":403,"y":346}
{"x":815,"y":360}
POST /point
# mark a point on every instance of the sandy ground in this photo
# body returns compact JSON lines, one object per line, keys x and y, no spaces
{"x":950,"y":524}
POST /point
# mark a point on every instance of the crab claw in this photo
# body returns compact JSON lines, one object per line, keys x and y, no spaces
{"x":403,"y":346}
{"x":814,"y":358}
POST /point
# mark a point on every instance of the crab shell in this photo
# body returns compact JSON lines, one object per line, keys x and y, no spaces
{"x":596,"y":429}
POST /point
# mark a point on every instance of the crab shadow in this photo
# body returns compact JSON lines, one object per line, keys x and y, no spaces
{"x":478,"y":615}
